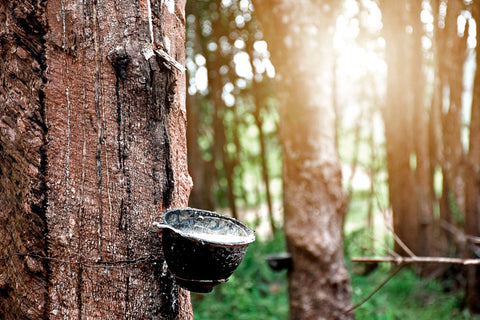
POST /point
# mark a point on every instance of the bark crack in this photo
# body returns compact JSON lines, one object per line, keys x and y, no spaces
{"x":23,"y":200}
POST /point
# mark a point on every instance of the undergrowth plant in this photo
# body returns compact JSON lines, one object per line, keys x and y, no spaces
{"x":254,"y":292}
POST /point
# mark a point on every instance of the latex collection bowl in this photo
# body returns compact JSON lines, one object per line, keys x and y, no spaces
{"x":202,"y":248}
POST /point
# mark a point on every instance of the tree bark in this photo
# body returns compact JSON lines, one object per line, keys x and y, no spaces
{"x":300,"y":38}
{"x":263,"y":155}
{"x":450,"y":56}
{"x":452,"y":67}
{"x":93,"y":138}
{"x":423,"y":173}
{"x":259,"y":101}
{"x":472,"y":181}
{"x":435,"y":129}
{"x":397,"y":115}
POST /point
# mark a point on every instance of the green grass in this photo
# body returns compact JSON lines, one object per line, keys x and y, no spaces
{"x":405,"y":296}
{"x":256,"y":292}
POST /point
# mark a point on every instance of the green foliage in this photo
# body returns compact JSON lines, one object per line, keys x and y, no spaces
{"x":256,"y":292}
{"x":457,"y":214}
{"x":218,"y":34}
{"x":225,"y":55}
{"x":405,"y":296}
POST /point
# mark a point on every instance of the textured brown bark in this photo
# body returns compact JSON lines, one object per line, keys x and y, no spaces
{"x":452,"y":73}
{"x":472,"y":181}
{"x":445,"y":121}
{"x":397,"y":115}
{"x":443,"y":238}
{"x":94,"y":133}
{"x":423,"y":172}
{"x":435,"y":143}
{"x":23,"y":281}
{"x":299,"y":35}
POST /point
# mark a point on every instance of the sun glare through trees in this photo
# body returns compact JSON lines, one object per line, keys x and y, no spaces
{"x":396,"y":79}
{"x":345,"y":132}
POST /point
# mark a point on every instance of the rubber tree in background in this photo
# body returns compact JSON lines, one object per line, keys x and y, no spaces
{"x":300,"y":39}
{"x":92,"y":150}
{"x":472,"y":181}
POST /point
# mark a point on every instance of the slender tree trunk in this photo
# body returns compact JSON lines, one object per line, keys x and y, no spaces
{"x":300,"y":41}
{"x":442,"y":237}
{"x":450,"y":58}
{"x":204,"y":173}
{"x":423,"y":177}
{"x":259,"y":101}
{"x":202,"y":176}
{"x":397,"y":117}
{"x":216,"y":86}
{"x":453,"y":63}
{"x":235,"y":157}
{"x":92,"y":143}
{"x":472,"y":181}
{"x":263,"y":157}
{"x":220,"y":137}
{"x":372,"y":173}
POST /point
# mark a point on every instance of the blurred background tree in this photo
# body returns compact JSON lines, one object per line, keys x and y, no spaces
{"x":232,"y":138}
{"x":405,"y":92}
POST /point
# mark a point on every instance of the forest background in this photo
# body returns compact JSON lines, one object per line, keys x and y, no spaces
{"x":407,"y":121}
{"x":337,"y":129}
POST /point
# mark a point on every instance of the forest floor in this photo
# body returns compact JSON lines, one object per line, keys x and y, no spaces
{"x":254,"y":291}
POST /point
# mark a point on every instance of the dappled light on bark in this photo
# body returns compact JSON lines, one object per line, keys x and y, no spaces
{"x":300,"y":38}
{"x":378,"y":91}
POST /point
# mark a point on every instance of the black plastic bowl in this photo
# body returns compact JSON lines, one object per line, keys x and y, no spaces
{"x":202,"y":248}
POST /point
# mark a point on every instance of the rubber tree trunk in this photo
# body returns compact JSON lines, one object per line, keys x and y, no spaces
{"x":423,"y":177}
{"x":397,"y":115}
{"x":259,"y":101}
{"x":263,"y":157}
{"x":453,"y":153}
{"x":435,"y":143}
{"x":203,"y":172}
{"x":215,"y":82}
{"x":450,"y":62}
{"x":92,"y":149}
{"x":299,"y":35}
{"x":472,"y":181}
